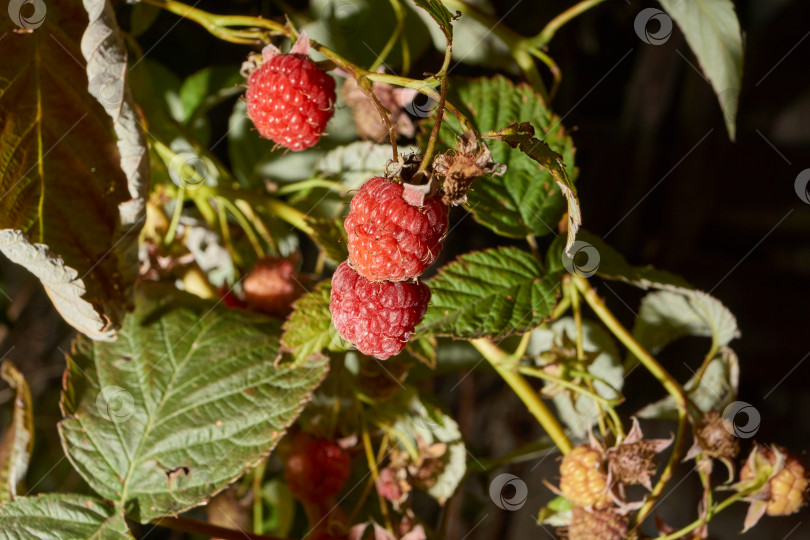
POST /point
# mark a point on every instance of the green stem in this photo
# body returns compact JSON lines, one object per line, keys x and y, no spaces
{"x":519,"y":46}
{"x":225,"y":231}
{"x":540,"y":374}
{"x":258,"y":508}
{"x":244,"y":224}
{"x":666,"y":474}
{"x":192,"y":526}
{"x":499,"y":359}
{"x":312,"y":183}
{"x":719,"y":507}
{"x":178,"y":211}
{"x":424,"y":87}
{"x":291,"y":215}
{"x":657,"y":370}
{"x":541,"y":39}
{"x":552,"y":66}
{"x":257,"y":223}
{"x":434,"y":133}
{"x":389,"y":45}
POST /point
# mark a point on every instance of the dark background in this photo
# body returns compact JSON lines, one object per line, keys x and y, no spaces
{"x":727,"y":218}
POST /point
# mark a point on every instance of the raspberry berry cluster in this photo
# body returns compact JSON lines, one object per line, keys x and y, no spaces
{"x":377,"y":298}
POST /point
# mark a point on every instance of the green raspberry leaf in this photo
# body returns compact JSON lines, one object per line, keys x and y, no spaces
{"x":188,"y":398}
{"x":527,"y":199}
{"x":309,"y":330}
{"x":521,"y":136}
{"x":75,"y":517}
{"x":492,"y":293}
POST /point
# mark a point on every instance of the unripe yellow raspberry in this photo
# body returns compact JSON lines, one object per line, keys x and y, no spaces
{"x":786,"y":489}
{"x":583,"y":480}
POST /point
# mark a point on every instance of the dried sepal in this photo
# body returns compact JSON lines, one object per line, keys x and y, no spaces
{"x":631,"y":462}
{"x":713,"y":441}
{"x":460,"y":167}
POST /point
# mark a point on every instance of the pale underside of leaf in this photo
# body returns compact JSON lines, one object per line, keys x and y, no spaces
{"x":712,"y":31}
{"x":107,"y":69}
{"x":153,"y":423}
{"x":62,"y":517}
{"x":62,"y":284}
{"x":18,"y":438}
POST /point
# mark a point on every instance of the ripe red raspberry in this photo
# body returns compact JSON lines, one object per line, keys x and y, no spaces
{"x":378,"y":318}
{"x":390,"y":239}
{"x":272,"y":286}
{"x":290,"y":100}
{"x":316,"y":469}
